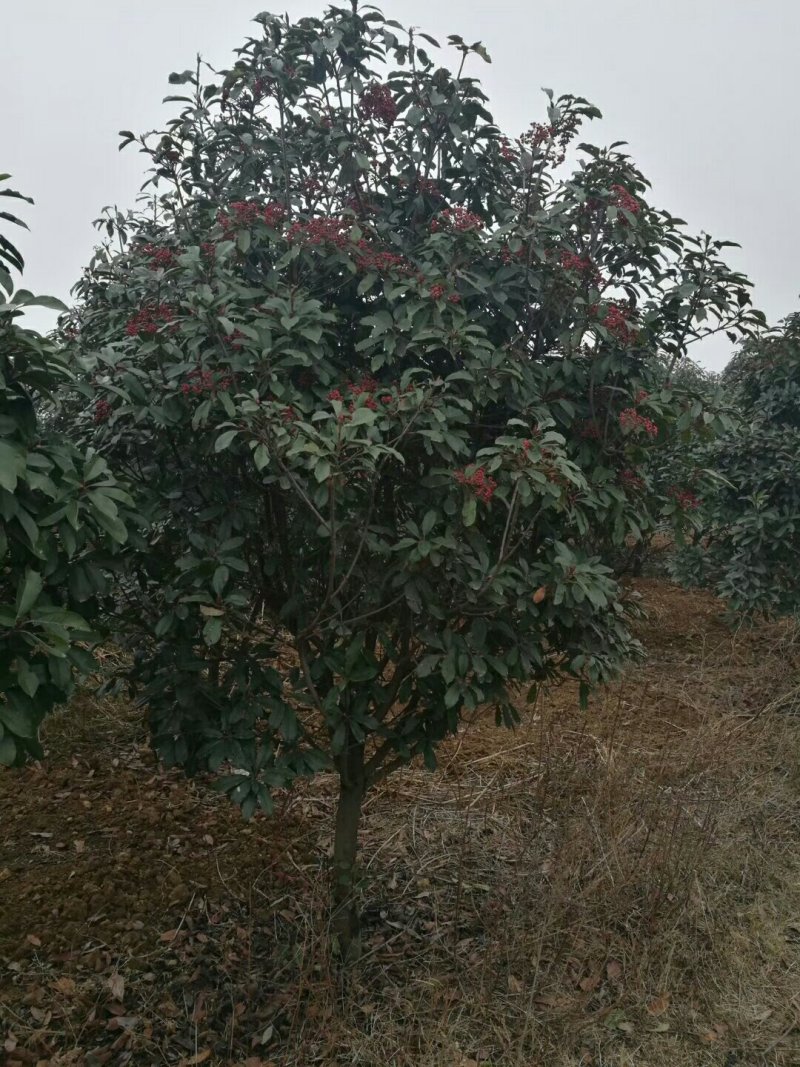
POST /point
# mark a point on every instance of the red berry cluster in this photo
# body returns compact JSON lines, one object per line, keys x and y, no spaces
{"x":366,"y":387}
{"x":581,"y":265}
{"x":327,"y":230}
{"x":458,"y":219}
{"x":684,"y":498}
{"x":482,"y":485}
{"x":160,"y":258}
{"x":360,"y":205}
{"x":624,"y":200}
{"x":631,"y":480}
{"x":615,"y":321}
{"x":631,"y":420}
{"x":538,"y":134}
{"x":246,"y":213}
{"x":427,"y":185}
{"x":437,"y":291}
{"x":378,"y":103}
{"x":508,"y":256}
{"x":371,"y":258}
{"x":203,"y":381}
{"x":102,"y":411}
{"x":288,"y":414}
{"x":209,"y":249}
{"x":640,"y":396}
{"x":506,"y":151}
{"x":148,"y":320}
{"x":557,"y":134}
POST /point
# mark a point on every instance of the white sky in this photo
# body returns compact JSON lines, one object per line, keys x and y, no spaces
{"x":704,"y":91}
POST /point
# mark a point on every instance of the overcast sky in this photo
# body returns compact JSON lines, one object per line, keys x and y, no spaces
{"x":704,"y":91}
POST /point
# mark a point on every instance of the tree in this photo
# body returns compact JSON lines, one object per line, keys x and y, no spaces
{"x":748,"y":539}
{"x":382,"y":379}
{"x":59,"y":522}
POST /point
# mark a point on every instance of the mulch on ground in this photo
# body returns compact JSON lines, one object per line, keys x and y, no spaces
{"x":618,"y":886}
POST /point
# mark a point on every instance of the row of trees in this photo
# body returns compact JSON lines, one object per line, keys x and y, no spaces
{"x":385,"y":395}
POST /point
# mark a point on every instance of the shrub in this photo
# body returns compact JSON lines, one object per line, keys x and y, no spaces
{"x":377,"y":373}
{"x":61,"y":516}
{"x":748,"y":539}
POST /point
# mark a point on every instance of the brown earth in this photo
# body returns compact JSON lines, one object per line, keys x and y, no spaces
{"x":618,"y":887}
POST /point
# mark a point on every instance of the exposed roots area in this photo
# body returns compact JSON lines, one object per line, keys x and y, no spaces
{"x":613,"y":887}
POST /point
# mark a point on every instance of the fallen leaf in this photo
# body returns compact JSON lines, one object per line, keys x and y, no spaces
{"x":590,"y":982}
{"x":514,"y":984}
{"x":199,"y":1057}
{"x":116,"y":985}
{"x":614,"y":970}
{"x":122,"y":1022}
{"x":65,"y":986}
{"x":540,"y":594}
{"x":199,"y":1010}
{"x":266,"y":1035}
{"x":32,"y":939}
{"x":80,"y":846}
{"x":659,"y":1005}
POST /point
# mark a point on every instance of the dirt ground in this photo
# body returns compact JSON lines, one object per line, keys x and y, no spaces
{"x":611,"y":888}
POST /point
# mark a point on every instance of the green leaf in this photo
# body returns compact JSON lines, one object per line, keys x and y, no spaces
{"x":28,"y":681}
{"x":115,"y":527}
{"x":12,"y":465}
{"x":469,"y":510}
{"x":8,"y":751}
{"x":322,"y":470}
{"x":28,"y":592}
{"x":219,"y":581}
{"x":363,"y":417}
{"x":212,"y":631}
{"x":224,"y":440}
{"x":261,"y":457}
{"x":104,"y":504}
{"x":17,"y":721}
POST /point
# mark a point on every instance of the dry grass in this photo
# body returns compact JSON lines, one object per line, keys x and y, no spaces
{"x":617,"y":887}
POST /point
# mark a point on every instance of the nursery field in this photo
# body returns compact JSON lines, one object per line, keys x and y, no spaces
{"x":613,"y":887}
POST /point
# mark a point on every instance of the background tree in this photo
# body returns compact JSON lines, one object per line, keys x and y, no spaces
{"x":383,"y":380}
{"x":748,"y":541}
{"x":59,"y":522}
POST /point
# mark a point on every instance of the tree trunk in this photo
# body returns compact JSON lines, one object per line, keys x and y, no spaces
{"x":352,"y":787}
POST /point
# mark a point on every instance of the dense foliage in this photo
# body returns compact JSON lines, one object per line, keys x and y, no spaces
{"x":59,"y":522}
{"x":387,"y":385}
{"x":748,"y":541}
